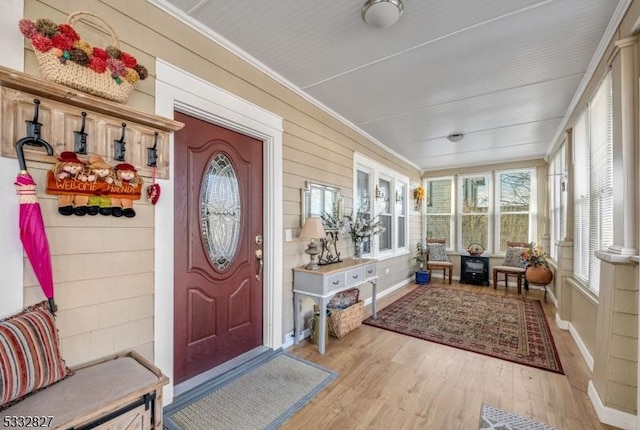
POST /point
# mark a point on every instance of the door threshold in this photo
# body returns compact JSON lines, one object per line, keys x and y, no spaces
{"x":210,"y":374}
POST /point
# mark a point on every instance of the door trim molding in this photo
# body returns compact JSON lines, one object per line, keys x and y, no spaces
{"x":11,"y":250}
{"x":179,"y":90}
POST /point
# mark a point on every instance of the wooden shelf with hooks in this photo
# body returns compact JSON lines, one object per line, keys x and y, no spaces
{"x":61,"y":115}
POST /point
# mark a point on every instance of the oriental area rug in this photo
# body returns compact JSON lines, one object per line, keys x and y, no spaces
{"x":510,"y":328}
{"x":262,"y":396}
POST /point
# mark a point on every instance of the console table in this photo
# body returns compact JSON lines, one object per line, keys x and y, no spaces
{"x":326,"y":281}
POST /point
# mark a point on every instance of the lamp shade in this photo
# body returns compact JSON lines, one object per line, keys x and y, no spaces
{"x":312,"y":229}
{"x":382,"y":13}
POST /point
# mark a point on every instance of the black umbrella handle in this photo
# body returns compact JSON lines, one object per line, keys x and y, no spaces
{"x":52,"y":306}
{"x":33,"y":138}
{"x":32,"y":142}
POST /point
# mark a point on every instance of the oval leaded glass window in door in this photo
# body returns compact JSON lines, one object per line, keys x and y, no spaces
{"x":220,"y":211}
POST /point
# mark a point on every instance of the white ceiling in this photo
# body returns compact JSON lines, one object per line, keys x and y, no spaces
{"x":503,"y":72}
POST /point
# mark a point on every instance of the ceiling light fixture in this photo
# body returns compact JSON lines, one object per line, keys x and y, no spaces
{"x":382,"y":13}
{"x":455,"y":137}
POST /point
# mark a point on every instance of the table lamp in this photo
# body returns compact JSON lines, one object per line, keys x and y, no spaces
{"x":313,"y":230}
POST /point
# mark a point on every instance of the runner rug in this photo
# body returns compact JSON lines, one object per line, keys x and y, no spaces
{"x":509,"y":328}
{"x":262,"y":397}
{"x":492,"y":418}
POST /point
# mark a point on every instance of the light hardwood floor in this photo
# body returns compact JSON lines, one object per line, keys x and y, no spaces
{"x":392,"y":381}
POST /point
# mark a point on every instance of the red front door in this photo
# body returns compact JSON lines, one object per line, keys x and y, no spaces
{"x":218,"y":229}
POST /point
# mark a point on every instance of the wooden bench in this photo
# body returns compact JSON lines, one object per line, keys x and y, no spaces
{"x":119,"y":392}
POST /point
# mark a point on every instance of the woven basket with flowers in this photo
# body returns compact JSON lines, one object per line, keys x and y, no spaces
{"x":66,"y":59}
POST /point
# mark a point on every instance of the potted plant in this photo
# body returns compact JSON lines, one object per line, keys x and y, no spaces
{"x":422,"y":275}
{"x":421,"y":256}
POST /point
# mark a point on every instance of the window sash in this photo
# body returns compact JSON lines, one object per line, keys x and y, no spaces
{"x":384,"y":211}
{"x":593,"y":184}
{"x":390,"y":208}
{"x":475,"y":209}
{"x":401,"y":198}
{"x":440,"y":215}
{"x":514,"y":191}
{"x":444,"y":219}
{"x":557,"y":204}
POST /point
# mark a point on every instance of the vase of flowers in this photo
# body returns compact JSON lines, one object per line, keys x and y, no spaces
{"x":360,"y":228}
{"x":537,"y":269}
{"x":357,"y":249}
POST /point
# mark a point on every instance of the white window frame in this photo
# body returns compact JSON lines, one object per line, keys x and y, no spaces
{"x":376,"y":172}
{"x":452,"y":210}
{"x":557,"y":199}
{"x":581,"y":201}
{"x":490,"y":213}
{"x":402,"y":217}
{"x":533,"y":207}
{"x":596,"y":231}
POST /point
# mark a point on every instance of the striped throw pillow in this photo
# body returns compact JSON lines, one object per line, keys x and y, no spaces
{"x":29,"y":354}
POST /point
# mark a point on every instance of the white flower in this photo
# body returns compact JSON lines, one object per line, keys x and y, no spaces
{"x":360,"y":227}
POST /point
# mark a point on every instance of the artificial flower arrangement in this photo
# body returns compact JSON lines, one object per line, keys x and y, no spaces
{"x":533,"y":256}
{"x":418,"y":195}
{"x":333,"y":221}
{"x":67,"y":46}
{"x":359,"y":227}
{"x":67,"y":59}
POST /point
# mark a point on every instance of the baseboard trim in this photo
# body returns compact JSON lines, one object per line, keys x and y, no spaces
{"x":307,"y":333}
{"x":581,"y":346}
{"x":610,"y":416}
{"x":389,"y":290}
{"x":440,"y":276}
{"x":553,"y":298}
{"x":562,"y":324}
{"x":289,"y":336}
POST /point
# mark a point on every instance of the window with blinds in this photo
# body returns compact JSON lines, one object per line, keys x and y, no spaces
{"x":557,"y":199}
{"x":593,"y":185}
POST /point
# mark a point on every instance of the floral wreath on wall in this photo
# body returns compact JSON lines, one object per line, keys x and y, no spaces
{"x":418,"y":195}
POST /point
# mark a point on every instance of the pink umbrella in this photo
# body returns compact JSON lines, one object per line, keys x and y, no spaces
{"x":32,"y":231}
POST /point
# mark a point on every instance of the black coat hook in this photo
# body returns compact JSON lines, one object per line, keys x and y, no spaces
{"x":81,"y":137}
{"x":33,"y":126}
{"x":119,"y":146}
{"x":152,"y":153}
{"x":33,"y":138}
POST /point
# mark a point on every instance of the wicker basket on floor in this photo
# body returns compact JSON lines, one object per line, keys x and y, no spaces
{"x":343,"y":321}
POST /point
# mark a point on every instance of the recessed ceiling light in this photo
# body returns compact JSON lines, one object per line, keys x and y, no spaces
{"x":455,"y":137}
